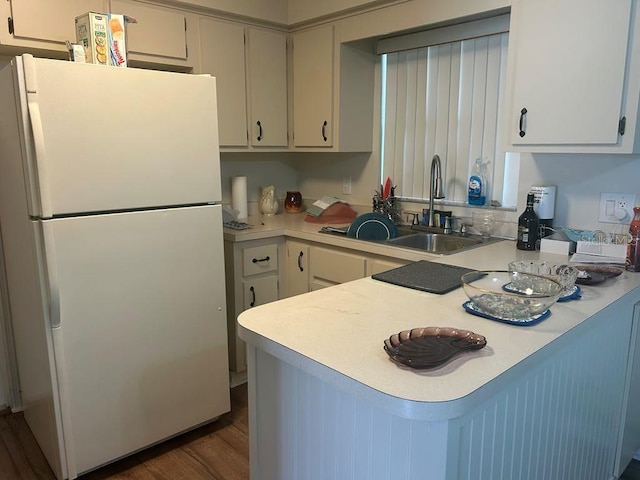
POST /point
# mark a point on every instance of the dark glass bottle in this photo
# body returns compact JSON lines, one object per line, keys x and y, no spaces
{"x":528,"y":227}
{"x":633,"y":247}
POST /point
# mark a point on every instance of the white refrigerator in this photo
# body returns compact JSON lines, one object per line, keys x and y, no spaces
{"x":111,"y":227}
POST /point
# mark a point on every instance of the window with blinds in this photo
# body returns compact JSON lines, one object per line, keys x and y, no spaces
{"x":445,"y":98}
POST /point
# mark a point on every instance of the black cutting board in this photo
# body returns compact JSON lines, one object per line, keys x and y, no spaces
{"x":426,"y":276}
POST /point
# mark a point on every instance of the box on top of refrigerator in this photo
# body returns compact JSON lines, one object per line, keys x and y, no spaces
{"x":117,"y":42}
{"x":91,"y":32}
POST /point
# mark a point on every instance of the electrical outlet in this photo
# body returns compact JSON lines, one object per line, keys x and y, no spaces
{"x":346,"y":185}
{"x":616,"y":207}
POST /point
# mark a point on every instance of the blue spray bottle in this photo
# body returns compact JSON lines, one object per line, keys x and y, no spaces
{"x":477,"y":185}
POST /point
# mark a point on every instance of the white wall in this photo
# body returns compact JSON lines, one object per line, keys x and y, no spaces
{"x":260,"y":170}
{"x":270,"y":10}
{"x":580,"y":180}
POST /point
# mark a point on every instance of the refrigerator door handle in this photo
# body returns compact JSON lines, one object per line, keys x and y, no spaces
{"x":68,"y":457}
{"x":41,"y":163}
{"x":51,"y":274}
{"x":31,"y":83}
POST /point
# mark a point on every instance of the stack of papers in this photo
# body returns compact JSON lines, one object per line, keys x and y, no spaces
{"x":586,"y":258}
{"x":321,"y":205}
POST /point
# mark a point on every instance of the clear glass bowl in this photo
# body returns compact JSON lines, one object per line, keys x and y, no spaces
{"x":511,"y":295}
{"x":566,"y":275}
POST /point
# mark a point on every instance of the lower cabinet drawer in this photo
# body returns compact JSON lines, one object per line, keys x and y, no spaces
{"x":336,"y":267}
{"x":259,"y":259}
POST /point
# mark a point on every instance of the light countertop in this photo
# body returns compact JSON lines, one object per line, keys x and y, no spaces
{"x":293,"y":225}
{"x":338,"y":332}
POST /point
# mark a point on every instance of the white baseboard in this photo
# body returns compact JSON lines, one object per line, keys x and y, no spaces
{"x":237,"y":378}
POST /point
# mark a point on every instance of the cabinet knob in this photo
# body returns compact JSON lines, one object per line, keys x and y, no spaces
{"x":523,"y":112}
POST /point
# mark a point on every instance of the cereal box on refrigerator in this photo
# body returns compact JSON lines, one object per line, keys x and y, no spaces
{"x":91,"y":32}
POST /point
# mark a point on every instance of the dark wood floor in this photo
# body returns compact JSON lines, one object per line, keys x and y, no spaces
{"x":219,"y":451}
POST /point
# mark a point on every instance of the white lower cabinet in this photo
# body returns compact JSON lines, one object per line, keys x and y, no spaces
{"x":311,"y":266}
{"x":297,"y":268}
{"x":258,"y":291}
{"x":331,"y":267}
{"x":380,"y":264}
{"x":254,"y":270}
{"x":252,"y":274}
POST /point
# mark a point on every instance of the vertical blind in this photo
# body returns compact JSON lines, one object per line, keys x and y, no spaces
{"x":445,"y":99}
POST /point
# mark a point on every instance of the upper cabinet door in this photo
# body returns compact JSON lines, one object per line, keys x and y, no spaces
{"x":50,"y":21}
{"x":268,"y":88}
{"x":313,"y":52}
{"x":222,"y":55}
{"x":158,"y":31}
{"x":567,"y":65}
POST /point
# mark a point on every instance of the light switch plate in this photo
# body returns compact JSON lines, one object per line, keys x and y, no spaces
{"x":616,"y":207}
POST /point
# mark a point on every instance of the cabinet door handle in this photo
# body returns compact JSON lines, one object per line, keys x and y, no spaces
{"x":300,"y":261}
{"x":253,"y":296}
{"x":523,"y":112}
{"x":265,"y":259}
{"x":324,"y":131}
{"x":259,"y":131}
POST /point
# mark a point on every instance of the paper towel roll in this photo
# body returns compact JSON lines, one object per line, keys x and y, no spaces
{"x":239,"y":196}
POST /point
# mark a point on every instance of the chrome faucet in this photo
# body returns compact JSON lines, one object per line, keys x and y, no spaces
{"x":435,"y":186}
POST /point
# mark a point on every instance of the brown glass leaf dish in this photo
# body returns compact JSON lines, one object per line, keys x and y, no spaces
{"x":606,"y":270}
{"x":429,"y":347}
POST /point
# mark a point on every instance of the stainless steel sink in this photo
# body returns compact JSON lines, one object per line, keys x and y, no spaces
{"x":439,"y":243}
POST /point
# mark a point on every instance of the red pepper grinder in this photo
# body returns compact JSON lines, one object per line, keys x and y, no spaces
{"x":633,"y":247}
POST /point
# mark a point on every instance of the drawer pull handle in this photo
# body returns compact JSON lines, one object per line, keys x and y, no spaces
{"x":300,"y":261}
{"x":260,"y":133}
{"x":265,"y":259}
{"x":253,"y":293}
{"x":523,"y":112}
{"x":324,"y":131}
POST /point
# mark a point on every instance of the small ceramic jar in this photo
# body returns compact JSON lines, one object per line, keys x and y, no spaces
{"x":293,"y":202}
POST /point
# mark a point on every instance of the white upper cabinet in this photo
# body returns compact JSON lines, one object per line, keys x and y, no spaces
{"x":158,"y":32}
{"x":252,"y":83}
{"x":267,"y":92}
{"x":34,"y":24}
{"x":313,"y":87}
{"x":573,"y":79}
{"x":42,"y":28}
{"x":222,"y":55}
{"x":333,"y":96}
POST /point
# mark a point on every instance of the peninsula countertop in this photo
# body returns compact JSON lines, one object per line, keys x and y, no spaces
{"x":337,"y":333}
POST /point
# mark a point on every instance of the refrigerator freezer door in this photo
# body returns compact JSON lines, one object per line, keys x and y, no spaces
{"x":141,"y":344}
{"x":111,"y":139}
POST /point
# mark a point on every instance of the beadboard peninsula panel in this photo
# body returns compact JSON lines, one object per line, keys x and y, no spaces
{"x":560,"y":419}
